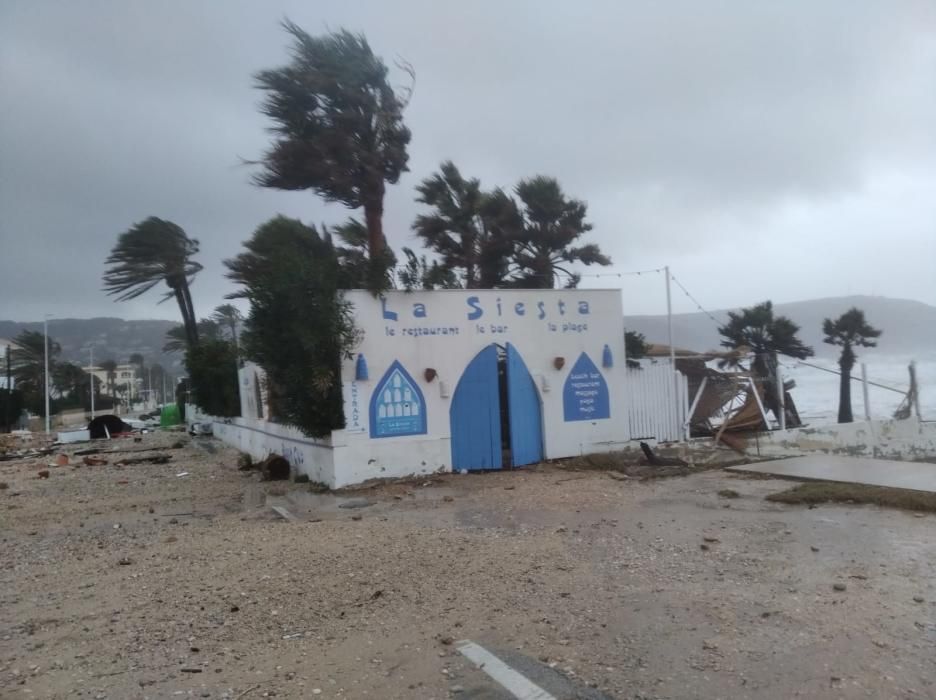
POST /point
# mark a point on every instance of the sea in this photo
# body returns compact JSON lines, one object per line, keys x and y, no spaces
{"x":817,"y":392}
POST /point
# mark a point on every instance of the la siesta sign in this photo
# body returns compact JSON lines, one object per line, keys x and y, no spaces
{"x":476,"y":310}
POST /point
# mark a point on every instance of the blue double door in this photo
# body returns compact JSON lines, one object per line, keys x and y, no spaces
{"x":496,"y":414}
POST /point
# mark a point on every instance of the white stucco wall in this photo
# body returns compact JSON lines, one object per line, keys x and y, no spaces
{"x":444,"y":330}
{"x":887,"y":439}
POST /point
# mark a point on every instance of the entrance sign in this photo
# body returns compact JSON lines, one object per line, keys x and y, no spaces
{"x":585,"y":394}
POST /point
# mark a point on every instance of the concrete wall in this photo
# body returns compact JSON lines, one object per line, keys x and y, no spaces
{"x":888,"y":439}
{"x":259,"y":439}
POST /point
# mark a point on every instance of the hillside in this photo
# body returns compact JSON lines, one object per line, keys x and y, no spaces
{"x":112,"y":338}
{"x":909,"y":326}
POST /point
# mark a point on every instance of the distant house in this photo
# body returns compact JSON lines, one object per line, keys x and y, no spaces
{"x":124,"y":374}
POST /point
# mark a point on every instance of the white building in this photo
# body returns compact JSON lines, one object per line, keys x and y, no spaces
{"x":452,"y":380}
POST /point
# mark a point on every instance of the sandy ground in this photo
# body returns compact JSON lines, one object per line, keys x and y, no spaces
{"x":135,"y":582}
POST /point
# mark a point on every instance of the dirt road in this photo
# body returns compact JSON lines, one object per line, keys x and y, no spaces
{"x":129,"y":582}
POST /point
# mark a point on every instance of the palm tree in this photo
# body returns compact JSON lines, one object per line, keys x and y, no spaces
{"x":151,"y":252}
{"x":548,"y":224}
{"x":27,"y":359}
{"x":462,"y":229}
{"x":177,"y":339}
{"x":229,"y":317}
{"x":338,"y":125}
{"x":766,"y":336}
{"x":848,"y":331}
{"x":354,"y":260}
{"x":110,"y":367}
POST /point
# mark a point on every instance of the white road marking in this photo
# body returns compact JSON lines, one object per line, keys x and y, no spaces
{"x":515,"y":683}
{"x":285,"y":514}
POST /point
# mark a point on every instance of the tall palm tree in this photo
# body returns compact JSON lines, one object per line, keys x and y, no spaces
{"x":355,"y":261}
{"x":549,"y":226}
{"x":229,"y":317}
{"x":462,"y":228}
{"x":151,"y":252}
{"x":337,"y":124}
{"x":849,"y":330}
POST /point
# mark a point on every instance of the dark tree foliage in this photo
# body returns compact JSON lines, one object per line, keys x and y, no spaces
{"x":151,"y":252}
{"x":464,"y":228}
{"x":848,"y":331}
{"x":544,"y":227}
{"x":757,"y":329}
{"x":358,"y":269}
{"x":337,"y":125}
{"x":176,"y":340}
{"x":228,"y":317}
{"x":212,"y":367}
{"x":27,"y":359}
{"x":635,"y":347}
{"x":12,"y":404}
{"x":299,"y":327}
{"x":419,"y":273}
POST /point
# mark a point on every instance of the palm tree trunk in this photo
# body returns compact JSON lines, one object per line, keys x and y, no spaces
{"x":373,"y":217}
{"x":184,"y":300}
{"x":846,"y":363}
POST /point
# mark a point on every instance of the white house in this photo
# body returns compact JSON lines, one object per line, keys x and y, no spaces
{"x":451,"y":380}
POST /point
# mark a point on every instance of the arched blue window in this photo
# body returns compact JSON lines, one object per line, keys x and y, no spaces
{"x":397,"y":406}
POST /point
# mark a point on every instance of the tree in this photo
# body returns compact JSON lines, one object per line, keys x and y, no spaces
{"x":356,"y":269}
{"x":418,"y":273}
{"x":544,"y":227}
{"x":766,"y":336}
{"x":70,"y":379}
{"x":289,"y":274}
{"x":635,"y":347}
{"x":848,"y":331}
{"x":110,"y":368}
{"x":229,"y":317}
{"x":212,"y":366}
{"x":27,"y":358}
{"x":462,"y":229}
{"x":151,"y":252}
{"x":338,"y":126}
{"x":176,"y":338}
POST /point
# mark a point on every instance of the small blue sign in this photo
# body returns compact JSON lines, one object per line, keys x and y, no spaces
{"x":397,"y":406}
{"x":585,"y":394}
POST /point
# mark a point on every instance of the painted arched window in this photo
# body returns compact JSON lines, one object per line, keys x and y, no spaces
{"x":397,"y":406}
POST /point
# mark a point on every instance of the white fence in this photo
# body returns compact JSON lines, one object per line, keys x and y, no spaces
{"x":652,"y":412}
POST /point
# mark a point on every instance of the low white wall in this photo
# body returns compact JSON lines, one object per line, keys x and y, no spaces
{"x":357,"y":460}
{"x":259,"y":439}
{"x":888,"y":439}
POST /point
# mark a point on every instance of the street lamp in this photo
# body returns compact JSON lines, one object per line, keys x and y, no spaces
{"x":48,"y":418}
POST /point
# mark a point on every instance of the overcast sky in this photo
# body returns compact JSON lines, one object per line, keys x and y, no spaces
{"x":761,"y":149}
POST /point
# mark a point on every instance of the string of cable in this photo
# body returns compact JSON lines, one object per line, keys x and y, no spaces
{"x":694,"y":300}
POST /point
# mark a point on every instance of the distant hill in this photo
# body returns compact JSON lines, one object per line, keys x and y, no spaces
{"x":112,"y":338}
{"x":909,"y":326}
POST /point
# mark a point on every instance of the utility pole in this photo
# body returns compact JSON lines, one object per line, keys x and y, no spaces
{"x":9,"y":388}
{"x":672,"y":350}
{"x":91,"y":374}
{"x":48,"y":418}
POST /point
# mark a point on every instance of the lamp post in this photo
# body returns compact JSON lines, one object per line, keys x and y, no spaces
{"x":48,"y":418}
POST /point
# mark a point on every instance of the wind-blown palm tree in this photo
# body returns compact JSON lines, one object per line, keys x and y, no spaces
{"x":766,"y":336}
{"x":848,"y":331}
{"x":354,"y":259}
{"x":177,"y":339}
{"x":229,"y":317}
{"x":462,"y":228}
{"x":151,"y":252}
{"x":337,"y":124}
{"x":549,"y":225}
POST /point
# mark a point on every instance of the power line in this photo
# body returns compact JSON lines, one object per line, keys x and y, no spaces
{"x":620,"y":274}
{"x":694,"y":300}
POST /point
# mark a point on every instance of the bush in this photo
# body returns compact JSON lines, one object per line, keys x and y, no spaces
{"x":212,"y":367}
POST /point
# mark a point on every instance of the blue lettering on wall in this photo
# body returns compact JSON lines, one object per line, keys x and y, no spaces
{"x":585,"y":394}
{"x":477,"y":311}
{"x":541,"y":305}
{"x":388,"y":315}
{"x":419,"y":310}
{"x":583,"y":307}
{"x":519,"y":308}
{"x":397,"y":406}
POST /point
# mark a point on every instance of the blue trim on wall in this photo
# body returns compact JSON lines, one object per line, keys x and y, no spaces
{"x":397,"y":405}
